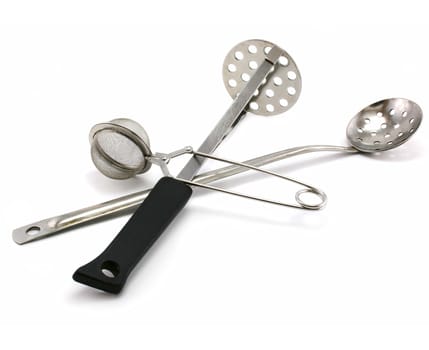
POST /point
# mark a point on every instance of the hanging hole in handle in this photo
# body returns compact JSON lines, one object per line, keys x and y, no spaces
{"x":110,"y":269}
{"x":311,"y":198}
{"x":33,"y":230}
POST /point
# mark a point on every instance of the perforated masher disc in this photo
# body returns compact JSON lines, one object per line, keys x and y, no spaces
{"x":278,"y":92}
{"x":120,"y":148}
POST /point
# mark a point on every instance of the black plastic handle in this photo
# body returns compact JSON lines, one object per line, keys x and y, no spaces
{"x":110,"y":270}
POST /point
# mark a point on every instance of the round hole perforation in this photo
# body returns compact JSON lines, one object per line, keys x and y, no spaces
{"x":283,"y":61}
{"x":232,"y":83}
{"x":254,"y":106}
{"x":291,"y":75}
{"x":253,"y":65}
{"x":245,"y":77}
{"x":238,"y":55}
{"x":232,"y":68}
{"x":269,"y":93}
{"x":283,"y":102}
{"x":269,"y":107}
{"x":281,"y":87}
{"x":291,"y":90}
{"x":277,"y":81}
{"x":252,"y":49}
{"x":267,"y":49}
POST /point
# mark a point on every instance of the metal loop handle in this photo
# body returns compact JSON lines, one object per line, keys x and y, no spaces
{"x":163,"y":159}
{"x":322,"y":196}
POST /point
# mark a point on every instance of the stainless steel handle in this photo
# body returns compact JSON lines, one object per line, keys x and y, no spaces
{"x":128,"y":203}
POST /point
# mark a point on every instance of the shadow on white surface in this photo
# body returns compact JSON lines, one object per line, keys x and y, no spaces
{"x":88,"y":294}
{"x":104,"y":184}
{"x":404,"y":153}
{"x":310,"y":220}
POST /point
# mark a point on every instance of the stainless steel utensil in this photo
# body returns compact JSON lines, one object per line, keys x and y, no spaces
{"x":391,"y":122}
{"x":384,"y":125}
{"x":120,"y":149}
{"x":110,"y":270}
{"x":281,"y":89}
{"x":128,"y":203}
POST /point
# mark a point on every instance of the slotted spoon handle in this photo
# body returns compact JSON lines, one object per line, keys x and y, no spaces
{"x":110,"y":270}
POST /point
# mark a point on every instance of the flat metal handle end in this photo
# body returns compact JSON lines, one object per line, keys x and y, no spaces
{"x":32,"y":232}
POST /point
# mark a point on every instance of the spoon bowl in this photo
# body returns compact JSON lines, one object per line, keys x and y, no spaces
{"x":384,"y":125}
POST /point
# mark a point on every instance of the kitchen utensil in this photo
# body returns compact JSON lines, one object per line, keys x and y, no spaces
{"x":129,"y":203}
{"x":401,"y":117}
{"x":384,"y":125}
{"x":120,"y":148}
{"x":110,"y":270}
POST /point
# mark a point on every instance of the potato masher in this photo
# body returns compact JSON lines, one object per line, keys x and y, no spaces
{"x":254,"y":66}
{"x":120,"y":148}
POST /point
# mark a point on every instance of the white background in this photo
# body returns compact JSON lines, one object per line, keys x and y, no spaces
{"x":229,"y":273}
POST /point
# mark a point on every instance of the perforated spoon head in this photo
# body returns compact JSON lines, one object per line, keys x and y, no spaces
{"x":384,"y":125}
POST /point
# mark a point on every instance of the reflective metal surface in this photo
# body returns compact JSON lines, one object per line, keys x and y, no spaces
{"x":233,"y":115}
{"x":384,"y":125}
{"x":129,"y":203}
{"x":119,"y":148}
{"x":114,"y":163}
{"x":278,"y":92}
{"x":163,"y":159}
{"x":125,"y":204}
